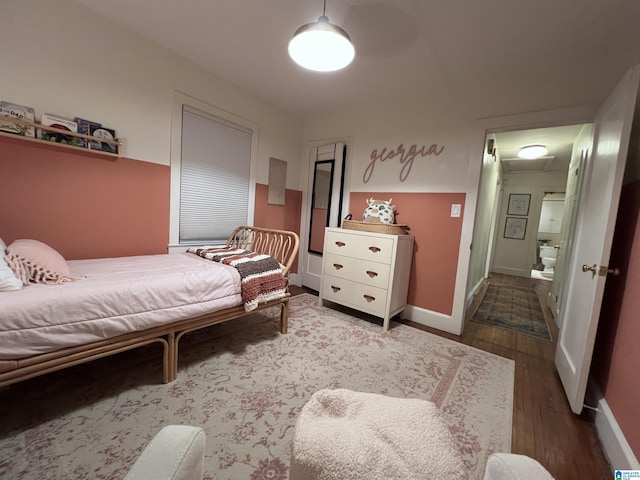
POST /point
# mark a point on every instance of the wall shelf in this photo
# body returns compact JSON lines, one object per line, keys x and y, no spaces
{"x":62,"y":146}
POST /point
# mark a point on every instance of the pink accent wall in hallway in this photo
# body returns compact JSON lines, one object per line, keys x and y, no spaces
{"x":281,"y":217}
{"x":437,"y":242}
{"x":615,"y":360}
{"x":83,"y":206}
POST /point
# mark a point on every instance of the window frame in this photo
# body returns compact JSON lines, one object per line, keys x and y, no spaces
{"x":179,"y":100}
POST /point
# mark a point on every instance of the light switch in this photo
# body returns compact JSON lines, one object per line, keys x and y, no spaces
{"x":455,"y":209}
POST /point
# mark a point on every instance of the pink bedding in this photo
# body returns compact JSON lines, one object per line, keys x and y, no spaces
{"x":117,"y":296}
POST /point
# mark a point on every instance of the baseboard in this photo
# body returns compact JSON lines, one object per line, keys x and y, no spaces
{"x":516,"y":272}
{"x":614,"y":443}
{"x":431,"y":319}
{"x":472,"y":293}
{"x":295,"y":279}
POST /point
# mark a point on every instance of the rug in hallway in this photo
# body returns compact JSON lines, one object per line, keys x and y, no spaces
{"x":244,"y":383}
{"x":516,"y":309}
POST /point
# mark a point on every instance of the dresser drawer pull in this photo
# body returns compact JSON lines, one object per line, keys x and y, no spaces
{"x":337,"y":266}
{"x":369,"y":298}
{"x":335,"y":289}
{"x":374,"y":249}
{"x":372,"y":274}
{"x":340,"y":244}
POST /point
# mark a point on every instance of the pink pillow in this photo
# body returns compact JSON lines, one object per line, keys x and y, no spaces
{"x":36,"y":262}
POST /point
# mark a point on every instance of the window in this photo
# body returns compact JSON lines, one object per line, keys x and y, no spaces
{"x":212,"y":187}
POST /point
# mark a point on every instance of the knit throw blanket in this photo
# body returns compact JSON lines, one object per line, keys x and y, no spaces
{"x":261,"y":275}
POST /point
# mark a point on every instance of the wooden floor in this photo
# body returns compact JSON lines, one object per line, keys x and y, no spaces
{"x":544,"y":427}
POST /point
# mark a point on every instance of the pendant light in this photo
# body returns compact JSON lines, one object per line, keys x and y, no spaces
{"x":321,"y":46}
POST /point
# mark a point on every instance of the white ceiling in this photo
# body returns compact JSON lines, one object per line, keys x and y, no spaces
{"x":495,"y":57}
{"x":558,"y":140}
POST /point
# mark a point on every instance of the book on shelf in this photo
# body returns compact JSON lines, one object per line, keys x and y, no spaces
{"x":10,"y":110}
{"x":105,"y":134}
{"x":61,"y":123}
{"x":84,"y":127}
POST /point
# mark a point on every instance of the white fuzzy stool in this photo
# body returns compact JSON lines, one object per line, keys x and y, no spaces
{"x":341,"y":434}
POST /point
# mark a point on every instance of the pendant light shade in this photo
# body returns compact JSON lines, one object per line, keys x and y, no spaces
{"x":321,"y":46}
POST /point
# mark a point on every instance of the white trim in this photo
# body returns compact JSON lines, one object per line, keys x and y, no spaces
{"x":295,"y":279}
{"x":540,"y":119}
{"x":431,"y":319}
{"x":472,"y":292}
{"x":306,"y":179}
{"x":516,"y":272}
{"x":179,"y":99}
{"x":613,"y":441}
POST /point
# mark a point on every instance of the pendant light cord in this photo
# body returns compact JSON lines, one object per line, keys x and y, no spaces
{"x":324,"y":9}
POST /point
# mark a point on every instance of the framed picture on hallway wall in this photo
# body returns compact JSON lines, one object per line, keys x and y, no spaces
{"x":519,"y":204}
{"x":515,"y":227}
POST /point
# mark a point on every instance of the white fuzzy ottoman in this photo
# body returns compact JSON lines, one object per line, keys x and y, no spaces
{"x":341,"y":434}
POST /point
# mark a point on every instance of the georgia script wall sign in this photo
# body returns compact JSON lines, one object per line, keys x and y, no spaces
{"x":407,"y":156}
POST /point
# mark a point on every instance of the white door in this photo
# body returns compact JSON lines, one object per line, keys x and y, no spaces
{"x":326,"y":185}
{"x":594,"y":234}
{"x":569,"y":217}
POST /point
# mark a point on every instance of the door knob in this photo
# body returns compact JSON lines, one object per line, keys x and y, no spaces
{"x":593,"y":269}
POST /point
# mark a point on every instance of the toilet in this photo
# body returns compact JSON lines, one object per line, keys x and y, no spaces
{"x":548,"y":256}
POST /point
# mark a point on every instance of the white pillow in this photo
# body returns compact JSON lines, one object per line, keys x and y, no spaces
{"x":8,"y":280}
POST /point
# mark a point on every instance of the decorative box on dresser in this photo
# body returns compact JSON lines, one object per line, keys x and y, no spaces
{"x":367,"y":271}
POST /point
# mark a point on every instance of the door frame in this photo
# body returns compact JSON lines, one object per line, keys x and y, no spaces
{"x":543,"y":119}
{"x":509,"y":123}
{"x":306,"y":174}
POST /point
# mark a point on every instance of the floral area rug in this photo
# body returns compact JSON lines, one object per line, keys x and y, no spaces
{"x":244,"y":383}
{"x":513,"y":308}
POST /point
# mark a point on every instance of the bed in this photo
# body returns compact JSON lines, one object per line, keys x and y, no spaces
{"x":124,"y":303}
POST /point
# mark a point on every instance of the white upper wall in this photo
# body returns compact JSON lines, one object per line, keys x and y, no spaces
{"x":387,"y":127}
{"x":67,"y":60}
{"x":517,"y":256}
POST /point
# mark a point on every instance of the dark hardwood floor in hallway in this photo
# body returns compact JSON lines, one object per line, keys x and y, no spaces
{"x":544,"y":427}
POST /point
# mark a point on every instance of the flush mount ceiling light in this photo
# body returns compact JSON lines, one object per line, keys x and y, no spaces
{"x":321,"y":46}
{"x":532,"y":151}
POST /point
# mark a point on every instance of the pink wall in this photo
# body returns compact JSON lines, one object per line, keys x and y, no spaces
{"x":281,"y":217}
{"x":83,"y":206}
{"x":92,"y":207}
{"x":616,"y":357}
{"x":437,"y":242}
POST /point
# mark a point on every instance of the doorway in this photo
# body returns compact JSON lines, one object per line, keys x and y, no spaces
{"x":324,"y":207}
{"x":507,"y":237}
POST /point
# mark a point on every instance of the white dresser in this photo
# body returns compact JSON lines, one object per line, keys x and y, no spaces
{"x":367,"y":271}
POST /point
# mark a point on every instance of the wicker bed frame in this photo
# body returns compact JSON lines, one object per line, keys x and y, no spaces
{"x":280,"y":244}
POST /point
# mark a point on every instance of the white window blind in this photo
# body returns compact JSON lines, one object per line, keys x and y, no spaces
{"x":214,"y":176}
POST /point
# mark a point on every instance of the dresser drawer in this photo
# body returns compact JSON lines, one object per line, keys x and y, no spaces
{"x":362,"y":297}
{"x":376,"y":249}
{"x":361,"y":271}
